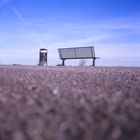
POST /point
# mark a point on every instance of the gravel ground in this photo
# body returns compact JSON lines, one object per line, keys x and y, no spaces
{"x":69,"y":103}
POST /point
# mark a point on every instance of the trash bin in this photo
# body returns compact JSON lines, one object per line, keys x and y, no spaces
{"x":43,"y":57}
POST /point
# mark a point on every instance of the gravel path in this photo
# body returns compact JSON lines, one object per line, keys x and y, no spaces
{"x":69,"y":103}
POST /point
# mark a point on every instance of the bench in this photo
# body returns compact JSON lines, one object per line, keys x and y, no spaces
{"x":77,"y":53}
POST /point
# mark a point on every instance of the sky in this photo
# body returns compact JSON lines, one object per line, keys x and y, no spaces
{"x":111,"y":26}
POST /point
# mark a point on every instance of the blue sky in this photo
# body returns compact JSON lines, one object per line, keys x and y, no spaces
{"x":112,"y":26}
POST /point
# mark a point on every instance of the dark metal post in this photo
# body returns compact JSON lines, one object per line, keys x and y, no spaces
{"x":63,"y":62}
{"x":93,"y":64}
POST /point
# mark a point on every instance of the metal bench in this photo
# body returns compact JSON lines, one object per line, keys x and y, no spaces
{"x":77,"y":53}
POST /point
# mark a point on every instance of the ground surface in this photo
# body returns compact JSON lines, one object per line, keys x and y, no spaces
{"x":69,"y":103}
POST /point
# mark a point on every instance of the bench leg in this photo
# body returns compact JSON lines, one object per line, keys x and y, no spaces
{"x":93,"y":64}
{"x":63,"y":62}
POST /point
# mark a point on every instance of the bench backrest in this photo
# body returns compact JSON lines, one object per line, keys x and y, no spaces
{"x":77,"y":53}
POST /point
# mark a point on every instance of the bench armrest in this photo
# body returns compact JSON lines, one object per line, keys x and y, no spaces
{"x":97,"y":57}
